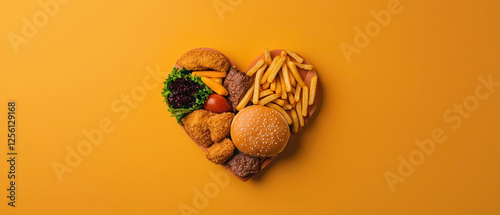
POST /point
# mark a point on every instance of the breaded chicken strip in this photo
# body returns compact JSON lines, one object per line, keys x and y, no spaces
{"x":202,"y":59}
{"x":220,"y":126}
{"x":196,"y":125}
{"x":220,"y":152}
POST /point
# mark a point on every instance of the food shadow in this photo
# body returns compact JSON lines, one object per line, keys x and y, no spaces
{"x":293,"y":147}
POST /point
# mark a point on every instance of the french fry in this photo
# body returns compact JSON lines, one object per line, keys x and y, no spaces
{"x":294,"y":56}
{"x":284,"y":94}
{"x":298,"y":107}
{"x":211,"y":74}
{"x":244,"y":101}
{"x":216,"y":87}
{"x":283,"y":112}
{"x":295,"y":121}
{"x":256,"y":67}
{"x":291,"y":100}
{"x":292,"y":80}
{"x":266,"y":86}
{"x":280,"y":102}
{"x":297,"y":94}
{"x":265,"y":93}
{"x":273,"y":85}
{"x":262,"y":68}
{"x":284,"y":76}
{"x":256,"y":87}
{"x":277,"y":67}
{"x":218,"y":80}
{"x":278,"y":85}
{"x":267,"y":57}
{"x":312,"y":91}
{"x":296,"y":73}
{"x":304,"y":66}
{"x":305,"y":100}
{"x":269,"y":69}
{"x":268,"y":99}
{"x":287,"y":107}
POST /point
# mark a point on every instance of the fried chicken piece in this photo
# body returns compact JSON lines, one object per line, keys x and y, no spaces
{"x":220,"y":152}
{"x":202,"y":59}
{"x":220,"y":126}
{"x":196,"y":125}
{"x":244,"y":165}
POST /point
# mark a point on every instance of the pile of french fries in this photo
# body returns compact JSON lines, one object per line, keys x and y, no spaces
{"x":278,"y":84}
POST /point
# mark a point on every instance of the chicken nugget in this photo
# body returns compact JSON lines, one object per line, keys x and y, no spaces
{"x":220,"y":152}
{"x":203,"y":59}
{"x":220,"y":126}
{"x":196,"y":125}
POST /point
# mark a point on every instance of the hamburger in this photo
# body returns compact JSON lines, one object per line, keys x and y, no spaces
{"x":260,"y":131}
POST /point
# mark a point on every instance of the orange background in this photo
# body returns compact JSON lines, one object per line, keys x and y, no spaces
{"x":66,"y":78}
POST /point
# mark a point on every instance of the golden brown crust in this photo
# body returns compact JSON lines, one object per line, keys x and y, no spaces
{"x":202,"y":59}
{"x":220,"y":152}
{"x":196,"y":125}
{"x":220,"y":126}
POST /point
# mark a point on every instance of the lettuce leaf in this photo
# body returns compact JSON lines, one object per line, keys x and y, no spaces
{"x":200,"y":97}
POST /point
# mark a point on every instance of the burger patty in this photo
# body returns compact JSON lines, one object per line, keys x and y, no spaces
{"x":244,"y":165}
{"x":237,"y":83}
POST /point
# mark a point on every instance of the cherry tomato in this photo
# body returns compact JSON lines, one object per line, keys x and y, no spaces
{"x":217,"y":103}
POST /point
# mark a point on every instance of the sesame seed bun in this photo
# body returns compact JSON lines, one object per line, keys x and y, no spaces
{"x":260,"y":131}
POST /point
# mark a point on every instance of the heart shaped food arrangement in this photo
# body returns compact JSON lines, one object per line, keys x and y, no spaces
{"x":241,"y":120}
